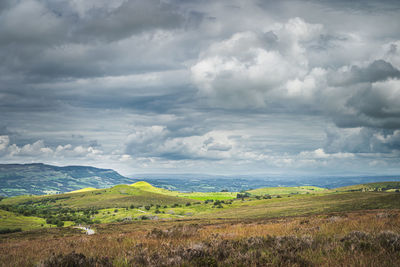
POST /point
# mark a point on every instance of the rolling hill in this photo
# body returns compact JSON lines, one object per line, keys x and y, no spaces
{"x":116,"y":196}
{"x":192,"y":195}
{"x":40,"y":179}
{"x":285,"y":190}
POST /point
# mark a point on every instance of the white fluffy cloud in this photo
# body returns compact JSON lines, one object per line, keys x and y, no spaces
{"x":250,"y":67}
{"x":39,"y":149}
{"x":4,"y":141}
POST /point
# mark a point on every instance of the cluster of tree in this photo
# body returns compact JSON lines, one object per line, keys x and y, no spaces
{"x":53,"y":214}
{"x":243,"y":195}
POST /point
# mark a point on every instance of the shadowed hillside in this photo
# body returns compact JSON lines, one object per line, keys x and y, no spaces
{"x":40,"y":179}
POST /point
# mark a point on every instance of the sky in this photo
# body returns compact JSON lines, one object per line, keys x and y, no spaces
{"x":219,"y":87}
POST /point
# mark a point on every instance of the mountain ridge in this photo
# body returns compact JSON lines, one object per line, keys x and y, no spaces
{"x":40,"y":178}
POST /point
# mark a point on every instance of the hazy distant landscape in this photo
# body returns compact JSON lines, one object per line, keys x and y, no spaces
{"x":39,"y":179}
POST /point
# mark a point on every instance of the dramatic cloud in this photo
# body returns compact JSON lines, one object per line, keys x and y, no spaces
{"x":202,"y":86}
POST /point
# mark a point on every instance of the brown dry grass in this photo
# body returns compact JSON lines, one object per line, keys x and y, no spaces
{"x":320,"y":240}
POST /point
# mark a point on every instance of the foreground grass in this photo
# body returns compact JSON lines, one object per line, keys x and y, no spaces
{"x":364,"y":238}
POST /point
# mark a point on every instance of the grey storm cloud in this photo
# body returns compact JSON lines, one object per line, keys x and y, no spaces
{"x":378,"y":70}
{"x":223,"y":86}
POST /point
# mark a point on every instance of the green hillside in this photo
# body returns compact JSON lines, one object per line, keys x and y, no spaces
{"x":306,"y":204}
{"x":117,"y":196}
{"x":193,"y":195}
{"x":382,"y":186}
{"x":285,"y":190}
{"x":83,"y":190}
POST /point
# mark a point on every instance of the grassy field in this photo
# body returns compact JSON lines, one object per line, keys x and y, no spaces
{"x":306,"y":205}
{"x":10,"y":220}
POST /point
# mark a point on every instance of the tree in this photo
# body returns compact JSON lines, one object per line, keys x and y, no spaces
{"x":60,"y":224}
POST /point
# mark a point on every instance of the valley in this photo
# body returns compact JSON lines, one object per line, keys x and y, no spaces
{"x":142,"y":225}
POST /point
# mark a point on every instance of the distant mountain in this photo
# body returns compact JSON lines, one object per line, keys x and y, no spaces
{"x":39,"y":179}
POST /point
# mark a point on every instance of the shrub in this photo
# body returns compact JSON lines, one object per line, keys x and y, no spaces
{"x":217,"y":202}
{"x":147,"y":207}
{"x":389,"y":240}
{"x":75,"y":259}
{"x":8,"y":230}
{"x":357,"y":240}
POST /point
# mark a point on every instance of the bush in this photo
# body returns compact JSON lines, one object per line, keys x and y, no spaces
{"x":217,"y":202}
{"x":243,"y":195}
{"x":147,"y":207}
{"x":188,"y":204}
{"x":8,"y":230}
{"x":75,"y":259}
{"x":389,"y":240}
